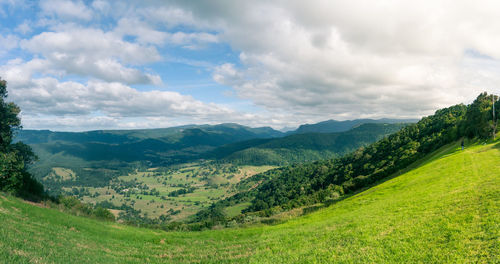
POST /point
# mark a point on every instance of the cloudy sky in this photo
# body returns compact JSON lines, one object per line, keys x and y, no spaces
{"x":82,"y":65}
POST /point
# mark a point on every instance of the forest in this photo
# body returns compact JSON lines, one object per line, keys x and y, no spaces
{"x":15,"y":159}
{"x":329,"y":180}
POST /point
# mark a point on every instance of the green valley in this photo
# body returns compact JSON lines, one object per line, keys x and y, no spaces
{"x":172,"y":193}
{"x":164,"y":175}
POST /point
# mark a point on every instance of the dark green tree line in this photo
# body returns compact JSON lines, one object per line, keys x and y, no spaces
{"x":15,"y":157}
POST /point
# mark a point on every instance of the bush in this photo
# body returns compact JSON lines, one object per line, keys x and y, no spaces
{"x":103,"y":214}
{"x":72,"y":205}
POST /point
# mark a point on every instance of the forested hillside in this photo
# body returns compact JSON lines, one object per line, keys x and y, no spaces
{"x":232,"y":132}
{"x":98,"y":156}
{"x":303,"y":147}
{"x":159,"y":146}
{"x":331,"y":126}
{"x":329,"y":180}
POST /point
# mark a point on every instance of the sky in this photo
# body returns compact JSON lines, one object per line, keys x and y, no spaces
{"x":86,"y":65}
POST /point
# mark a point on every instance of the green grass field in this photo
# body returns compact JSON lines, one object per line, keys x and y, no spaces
{"x":446,"y":210}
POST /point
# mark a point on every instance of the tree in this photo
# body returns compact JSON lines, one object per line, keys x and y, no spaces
{"x":104,"y":214}
{"x":479,"y":120}
{"x":8,"y":118}
{"x":14,"y":157}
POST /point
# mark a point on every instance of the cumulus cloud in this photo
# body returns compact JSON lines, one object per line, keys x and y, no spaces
{"x":355,"y":58}
{"x":169,"y":16}
{"x":106,"y":105}
{"x":94,"y":53}
{"x":90,"y":42}
{"x":18,"y":73}
{"x":49,"y":96}
{"x":299,"y":61}
{"x":66,"y":9}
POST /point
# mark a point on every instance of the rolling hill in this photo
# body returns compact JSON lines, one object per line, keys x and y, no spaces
{"x":164,"y":146}
{"x":331,"y":126}
{"x":444,"y":210}
{"x":96,"y":157}
{"x":303,"y":147}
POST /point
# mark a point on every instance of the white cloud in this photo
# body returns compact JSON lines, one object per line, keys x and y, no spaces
{"x":94,"y":53}
{"x":144,"y":32}
{"x":168,"y":16}
{"x":357,"y":58}
{"x":24,"y":27}
{"x":192,"y":40}
{"x":19,"y":73}
{"x":90,"y":42}
{"x":65,"y":9}
{"x":8,"y":43}
{"x":101,"y":6}
{"x":227,"y":74}
{"x":300,"y":61}
{"x":48,"y":96}
{"x":147,"y":34}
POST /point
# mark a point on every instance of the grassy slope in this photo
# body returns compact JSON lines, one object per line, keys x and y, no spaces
{"x":446,"y":210}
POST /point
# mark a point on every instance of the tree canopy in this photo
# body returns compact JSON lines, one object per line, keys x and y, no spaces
{"x":14,"y":157}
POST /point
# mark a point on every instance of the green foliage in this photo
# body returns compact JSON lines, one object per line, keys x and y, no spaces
{"x":304,"y":147}
{"x":479,"y":118}
{"x":103,"y":213}
{"x":304,"y":184}
{"x":72,"y":205}
{"x":182,"y":191}
{"x":309,"y":183}
{"x":9,"y":121}
{"x":331,"y":126}
{"x":214,"y":215}
{"x":14,"y":157}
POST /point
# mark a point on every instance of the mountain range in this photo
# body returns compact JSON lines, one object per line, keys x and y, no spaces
{"x":98,"y":156}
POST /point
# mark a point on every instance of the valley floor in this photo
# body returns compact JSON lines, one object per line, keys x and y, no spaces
{"x":446,"y":210}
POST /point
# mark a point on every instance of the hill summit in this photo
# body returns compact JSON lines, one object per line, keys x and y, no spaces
{"x":331,"y":126}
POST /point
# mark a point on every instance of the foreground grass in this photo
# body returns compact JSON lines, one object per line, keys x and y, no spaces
{"x":447,"y":210}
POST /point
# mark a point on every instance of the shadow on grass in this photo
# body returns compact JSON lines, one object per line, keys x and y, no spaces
{"x":314,"y":208}
{"x":497,"y":144}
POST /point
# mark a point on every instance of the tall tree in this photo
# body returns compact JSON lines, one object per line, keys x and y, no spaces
{"x":479,"y":119}
{"x":8,"y":118}
{"x":14,"y":157}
